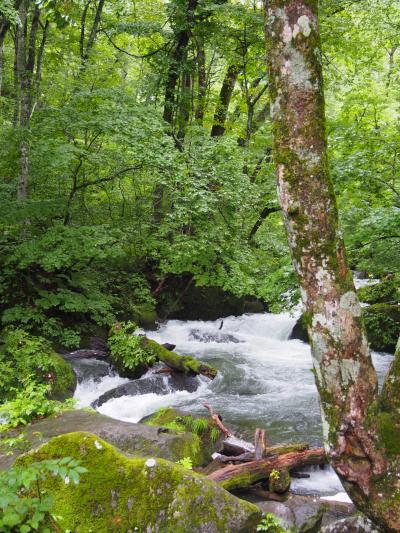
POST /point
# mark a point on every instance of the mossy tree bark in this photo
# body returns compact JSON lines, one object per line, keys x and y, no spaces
{"x":360,"y":432}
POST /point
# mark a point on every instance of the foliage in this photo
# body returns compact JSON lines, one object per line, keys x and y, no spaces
{"x":186,"y":462}
{"x":270,"y":524}
{"x":8,"y":11}
{"x":125,"y":346}
{"x":24,"y":506}
{"x":30,"y":403}
{"x":26,"y":360}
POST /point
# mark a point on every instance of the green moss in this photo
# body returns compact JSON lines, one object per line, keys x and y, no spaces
{"x":63,"y":382}
{"x":182,"y":363}
{"x":389,"y":432}
{"x":199,"y":444}
{"x":119,"y":494}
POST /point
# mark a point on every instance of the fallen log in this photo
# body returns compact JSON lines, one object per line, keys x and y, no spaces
{"x":247,"y":457}
{"x":244,"y":475}
{"x":181,"y":363}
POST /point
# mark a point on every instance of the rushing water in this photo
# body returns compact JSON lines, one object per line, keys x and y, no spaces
{"x":264,"y":380}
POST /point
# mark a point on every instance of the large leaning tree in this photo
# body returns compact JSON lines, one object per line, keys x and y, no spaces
{"x":361,"y":426}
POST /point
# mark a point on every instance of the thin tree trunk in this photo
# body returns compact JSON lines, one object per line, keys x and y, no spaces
{"x":202,"y":85}
{"x":361,"y":438}
{"x":225,"y":95}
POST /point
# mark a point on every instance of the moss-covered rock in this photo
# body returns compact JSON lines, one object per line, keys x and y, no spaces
{"x":151,"y":495}
{"x":132,"y":439}
{"x":209,"y":436}
{"x":62,"y":378}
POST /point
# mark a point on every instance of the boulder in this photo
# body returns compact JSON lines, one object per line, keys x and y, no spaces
{"x":210,"y":439}
{"x":157,"y":384}
{"x":94,"y":369}
{"x":85,"y":353}
{"x":132,"y":439}
{"x":303,"y":514}
{"x":128,"y":494}
{"x":354,"y":524}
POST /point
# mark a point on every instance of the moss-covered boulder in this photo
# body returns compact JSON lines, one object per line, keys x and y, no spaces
{"x":133,"y":439}
{"x":146,"y":495}
{"x":61,"y":377}
{"x":208,"y":435}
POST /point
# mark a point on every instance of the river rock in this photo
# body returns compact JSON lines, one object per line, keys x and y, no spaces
{"x":94,"y":369}
{"x":132,"y":439}
{"x":354,"y":524}
{"x":208,"y":336}
{"x":85,"y":354}
{"x":303,"y":514}
{"x":158,"y":384}
{"x":124,"y":494}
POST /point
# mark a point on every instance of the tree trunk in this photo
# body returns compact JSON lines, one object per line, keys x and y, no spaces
{"x":361,"y":438}
{"x":224,"y":99}
{"x":176,"y":62}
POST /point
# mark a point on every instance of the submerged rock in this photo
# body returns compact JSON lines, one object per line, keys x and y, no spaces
{"x":132,"y":439}
{"x":205,"y":336}
{"x":152,"y":495}
{"x":94,"y":369}
{"x":157,"y":384}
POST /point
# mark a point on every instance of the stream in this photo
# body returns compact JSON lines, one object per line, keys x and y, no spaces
{"x":264,"y":380}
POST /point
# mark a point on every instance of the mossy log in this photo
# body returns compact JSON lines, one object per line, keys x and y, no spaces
{"x":242,"y":476}
{"x":180,"y":363}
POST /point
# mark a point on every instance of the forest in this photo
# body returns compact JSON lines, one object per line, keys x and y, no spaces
{"x":200,"y":266}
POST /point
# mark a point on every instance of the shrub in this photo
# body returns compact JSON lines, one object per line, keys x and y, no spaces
{"x":125,"y":347}
{"x":27,"y":359}
{"x":30,"y":403}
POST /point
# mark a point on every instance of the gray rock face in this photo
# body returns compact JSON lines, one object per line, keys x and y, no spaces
{"x":158,"y":384}
{"x":132,"y":439}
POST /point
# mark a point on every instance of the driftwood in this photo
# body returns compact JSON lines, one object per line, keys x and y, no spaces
{"x":180,"y":363}
{"x":244,"y":475}
{"x":270,"y":451}
{"x":218,"y":420}
{"x":259,"y":444}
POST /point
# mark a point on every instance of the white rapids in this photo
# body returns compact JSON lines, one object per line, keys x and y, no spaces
{"x":264,"y":380}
